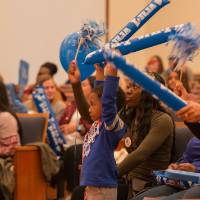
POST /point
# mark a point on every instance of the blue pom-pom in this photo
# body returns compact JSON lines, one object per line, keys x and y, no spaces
{"x":79,"y":44}
{"x":92,"y":31}
{"x":186,"y":44}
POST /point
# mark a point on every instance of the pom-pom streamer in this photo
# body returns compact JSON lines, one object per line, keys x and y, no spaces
{"x":186,"y":44}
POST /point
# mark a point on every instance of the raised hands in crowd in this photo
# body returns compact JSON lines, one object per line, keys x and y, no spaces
{"x":191,"y":112}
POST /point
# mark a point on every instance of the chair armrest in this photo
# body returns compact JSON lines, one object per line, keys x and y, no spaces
{"x":26,"y":148}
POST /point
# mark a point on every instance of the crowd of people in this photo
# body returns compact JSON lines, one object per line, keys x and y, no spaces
{"x":106,"y":120}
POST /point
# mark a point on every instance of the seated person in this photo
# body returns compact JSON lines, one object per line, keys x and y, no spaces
{"x":71,"y":124}
{"x":185,"y":76}
{"x":47,"y":68}
{"x":10,"y":132}
{"x":53,"y":96}
{"x":9,"y":125}
{"x":155,"y":64}
{"x":191,"y":115}
{"x":190,"y":161}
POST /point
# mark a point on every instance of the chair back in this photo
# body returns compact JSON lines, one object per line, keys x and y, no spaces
{"x":182,"y":137}
{"x":34,"y":127}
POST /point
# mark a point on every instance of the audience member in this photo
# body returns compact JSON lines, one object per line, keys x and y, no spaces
{"x":149,"y":139}
{"x":47,"y":68}
{"x":185,"y":76}
{"x":155,"y":64}
{"x":189,"y":162}
{"x":52,"y":94}
{"x":71,"y":123}
{"x":10,"y":130}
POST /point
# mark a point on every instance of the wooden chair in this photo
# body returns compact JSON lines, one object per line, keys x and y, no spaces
{"x":30,"y":181}
{"x":34,"y":127}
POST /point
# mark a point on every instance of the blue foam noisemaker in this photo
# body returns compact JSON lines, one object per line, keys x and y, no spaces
{"x":145,"y":81}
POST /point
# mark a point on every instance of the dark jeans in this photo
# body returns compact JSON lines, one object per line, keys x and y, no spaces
{"x":170,"y":193}
{"x":69,"y":170}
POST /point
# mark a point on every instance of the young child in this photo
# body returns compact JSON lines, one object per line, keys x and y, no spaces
{"x":99,"y":171}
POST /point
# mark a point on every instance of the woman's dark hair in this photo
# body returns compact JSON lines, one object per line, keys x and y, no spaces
{"x":42,"y":78}
{"x":161,"y":69}
{"x":5,"y":106}
{"x":51,"y":67}
{"x":120,"y":96}
{"x":142,"y":114}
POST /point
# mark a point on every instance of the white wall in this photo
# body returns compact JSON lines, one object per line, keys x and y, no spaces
{"x":34,"y":29}
{"x":120,"y":13}
{"x":177,"y":12}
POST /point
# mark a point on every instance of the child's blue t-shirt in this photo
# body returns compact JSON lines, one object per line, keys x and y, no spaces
{"x":99,"y":167}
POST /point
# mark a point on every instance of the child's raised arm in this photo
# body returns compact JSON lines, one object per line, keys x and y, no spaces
{"x":99,"y":75}
{"x":99,"y":72}
{"x":81,"y":102}
{"x":110,"y":118}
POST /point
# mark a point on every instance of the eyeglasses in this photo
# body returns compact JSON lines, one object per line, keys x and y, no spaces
{"x":133,"y":85}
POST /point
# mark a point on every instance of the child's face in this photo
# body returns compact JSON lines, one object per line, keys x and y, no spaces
{"x":95,"y":106}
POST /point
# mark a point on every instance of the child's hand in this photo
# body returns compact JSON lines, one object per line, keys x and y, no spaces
{"x":99,"y":72}
{"x":74,"y":73}
{"x":111,"y":70}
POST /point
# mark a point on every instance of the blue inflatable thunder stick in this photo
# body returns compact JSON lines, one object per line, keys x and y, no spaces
{"x":55,"y":137}
{"x":137,"y":44}
{"x":139,"y":20}
{"x":145,"y":81}
{"x":79,"y":44}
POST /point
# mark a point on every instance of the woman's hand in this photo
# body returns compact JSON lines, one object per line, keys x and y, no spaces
{"x":180,"y":90}
{"x":74,"y":73}
{"x":68,"y":128}
{"x":173,"y":166}
{"x":187,"y":167}
{"x":190,"y":113}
